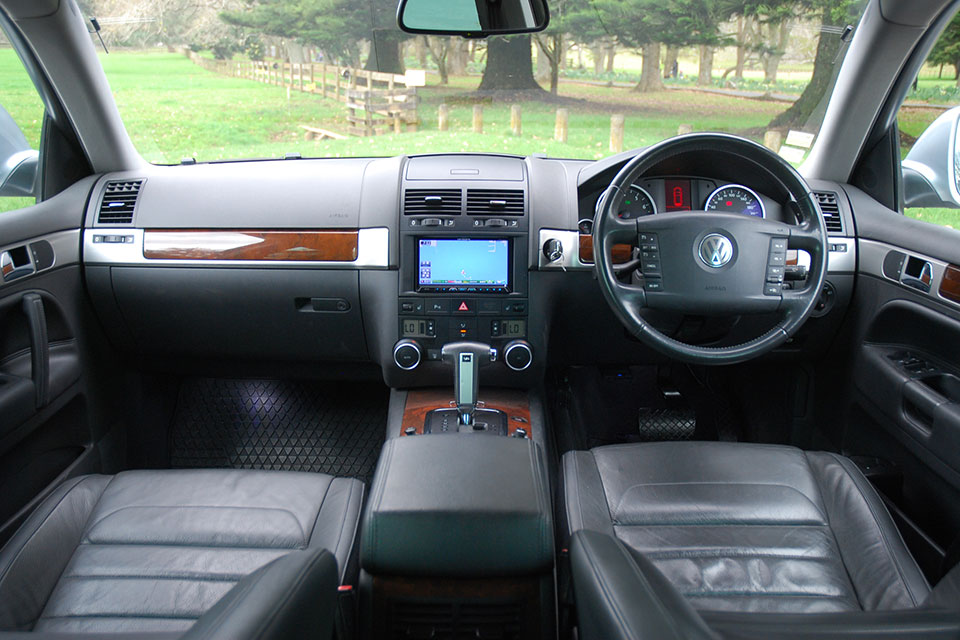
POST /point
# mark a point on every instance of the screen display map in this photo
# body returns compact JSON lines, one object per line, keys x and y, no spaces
{"x":464,"y":262}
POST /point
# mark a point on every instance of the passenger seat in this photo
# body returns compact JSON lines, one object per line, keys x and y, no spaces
{"x":153,"y":551}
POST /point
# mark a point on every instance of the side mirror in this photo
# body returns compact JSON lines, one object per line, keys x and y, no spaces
{"x":931,"y":171}
{"x":19,"y":163}
{"x":472,"y":18}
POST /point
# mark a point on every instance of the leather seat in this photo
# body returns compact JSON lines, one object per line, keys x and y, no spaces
{"x":154,"y":551}
{"x":693,"y":539}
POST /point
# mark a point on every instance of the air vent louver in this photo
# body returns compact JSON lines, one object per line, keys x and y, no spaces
{"x":456,"y":620}
{"x":495,"y":202}
{"x":831,"y":211}
{"x":119,"y":201}
{"x":424,"y":202}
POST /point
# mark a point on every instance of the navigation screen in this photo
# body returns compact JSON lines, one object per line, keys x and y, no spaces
{"x":464,"y":262}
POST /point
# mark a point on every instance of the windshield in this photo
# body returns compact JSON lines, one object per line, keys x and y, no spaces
{"x":238,"y":79}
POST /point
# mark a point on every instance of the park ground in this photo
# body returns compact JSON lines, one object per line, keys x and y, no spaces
{"x":174,"y":109}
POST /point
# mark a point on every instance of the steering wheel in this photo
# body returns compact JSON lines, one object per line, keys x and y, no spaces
{"x":711,"y":263}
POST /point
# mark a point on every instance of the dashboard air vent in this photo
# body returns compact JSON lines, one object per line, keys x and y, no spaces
{"x":424,"y":202}
{"x":831,"y":211}
{"x":119,"y":201}
{"x":495,"y":202}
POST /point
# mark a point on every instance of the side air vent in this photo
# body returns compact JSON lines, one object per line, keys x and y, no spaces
{"x":119,"y":201}
{"x":831,"y":211}
{"x":423,"y":202}
{"x":495,"y":202}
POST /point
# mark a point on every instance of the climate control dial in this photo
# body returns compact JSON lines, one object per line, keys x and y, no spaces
{"x":518,"y":355}
{"x":407,"y":354}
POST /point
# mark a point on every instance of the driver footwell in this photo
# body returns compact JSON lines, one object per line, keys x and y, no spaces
{"x":596,"y":406}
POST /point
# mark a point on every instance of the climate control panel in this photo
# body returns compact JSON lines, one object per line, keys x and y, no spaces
{"x":434,"y":321}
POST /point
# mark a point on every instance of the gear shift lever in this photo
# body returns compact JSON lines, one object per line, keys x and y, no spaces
{"x":467,"y":358}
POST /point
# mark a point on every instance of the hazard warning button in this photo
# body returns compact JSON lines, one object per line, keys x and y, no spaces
{"x":464,"y":307}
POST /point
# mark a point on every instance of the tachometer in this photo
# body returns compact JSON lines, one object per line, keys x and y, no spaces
{"x":636,"y":203}
{"x":735,"y":198}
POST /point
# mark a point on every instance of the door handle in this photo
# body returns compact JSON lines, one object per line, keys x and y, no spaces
{"x":39,"y":346}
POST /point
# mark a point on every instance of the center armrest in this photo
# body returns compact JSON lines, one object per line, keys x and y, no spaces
{"x":458,"y":506}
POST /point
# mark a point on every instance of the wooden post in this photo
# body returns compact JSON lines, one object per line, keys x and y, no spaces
{"x":336,"y":71}
{"x":443,"y":117}
{"x":560,"y":129}
{"x":313,"y":77}
{"x":516,"y":121}
{"x":397,"y":123}
{"x":616,"y":133}
{"x":369,"y":80}
{"x":684,"y":129}
{"x":323,"y":80}
{"x":291,"y":74}
{"x":300,"y":69}
{"x":478,"y":118}
{"x":773,"y":140}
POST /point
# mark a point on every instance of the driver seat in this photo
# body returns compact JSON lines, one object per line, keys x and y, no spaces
{"x":680,"y":539}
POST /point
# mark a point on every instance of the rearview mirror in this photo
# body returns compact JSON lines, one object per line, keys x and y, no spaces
{"x":472,"y":18}
{"x":931,"y":171}
{"x":18,"y":162}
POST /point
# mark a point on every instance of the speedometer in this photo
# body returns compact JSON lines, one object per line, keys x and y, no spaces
{"x":637,"y":203}
{"x":735,"y":198}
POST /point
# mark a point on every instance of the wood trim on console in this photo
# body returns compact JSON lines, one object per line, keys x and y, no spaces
{"x":950,"y":284}
{"x":326,"y":245}
{"x":512,"y":402}
{"x":621,"y":252}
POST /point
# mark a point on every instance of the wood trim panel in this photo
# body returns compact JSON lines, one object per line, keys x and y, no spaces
{"x":512,"y":402}
{"x":250,"y":244}
{"x":950,"y":284}
{"x":621,"y":252}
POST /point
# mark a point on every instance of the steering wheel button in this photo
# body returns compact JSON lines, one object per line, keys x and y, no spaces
{"x":770,"y":289}
{"x":651,"y":267}
{"x":777,"y":259}
{"x":653,"y":284}
{"x":648,"y":238}
{"x":778,"y":244}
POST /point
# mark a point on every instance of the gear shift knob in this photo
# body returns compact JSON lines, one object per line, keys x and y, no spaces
{"x":467,"y":358}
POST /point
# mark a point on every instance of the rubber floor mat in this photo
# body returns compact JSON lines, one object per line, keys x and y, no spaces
{"x":657,"y":425}
{"x":272,"y":424}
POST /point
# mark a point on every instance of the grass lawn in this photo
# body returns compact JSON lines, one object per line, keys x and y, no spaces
{"x":175,"y":109}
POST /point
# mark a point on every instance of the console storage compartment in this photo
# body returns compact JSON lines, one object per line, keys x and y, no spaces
{"x":457,"y":540}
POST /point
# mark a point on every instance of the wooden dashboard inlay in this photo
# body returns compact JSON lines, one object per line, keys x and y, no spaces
{"x":621,"y":252}
{"x":512,"y":402}
{"x":950,"y":284}
{"x":250,"y":244}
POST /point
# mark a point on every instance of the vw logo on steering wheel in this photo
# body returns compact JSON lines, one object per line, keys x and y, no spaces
{"x":716,"y":250}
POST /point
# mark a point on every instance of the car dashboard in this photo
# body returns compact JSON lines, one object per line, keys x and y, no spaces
{"x":380,"y":262}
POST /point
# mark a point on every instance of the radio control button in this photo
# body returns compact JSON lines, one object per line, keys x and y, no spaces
{"x":438,"y":305}
{"x":486,"y":306}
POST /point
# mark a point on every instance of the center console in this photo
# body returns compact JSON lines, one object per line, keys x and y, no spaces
{"x":463,"y":260}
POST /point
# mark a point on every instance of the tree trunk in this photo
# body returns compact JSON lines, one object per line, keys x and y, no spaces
{"x":669,"y":59}
{"x":457,"y":57}
{"x":543,"y":59}
{"x":597,"y":51}
{"x":385,"y":53}
{"x":741,"y":47}
{"x":778,"y":44}
{"x":650,"y":79}
{"x":705,"y":73}
{"x":509,"y":65}
{"x":809,"y":101}
{"x":420,"y":50}
{"x":611,"y":53}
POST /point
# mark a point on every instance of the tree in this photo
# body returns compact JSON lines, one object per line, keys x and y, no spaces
{"x":834,"y":17}
{"x":439,"y":48}
{"x":697,"y":22}
{"x":509,"y":65}
{"x":335,"y":26}
{"x":640,"y":25}
{"x":947,"y":48}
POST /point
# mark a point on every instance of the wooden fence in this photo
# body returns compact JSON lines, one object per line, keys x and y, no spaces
{"x":376,"y":102}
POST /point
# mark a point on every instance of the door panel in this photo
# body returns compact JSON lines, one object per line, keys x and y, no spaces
{"x":46,"y":431}
{"x":904,"y":402}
